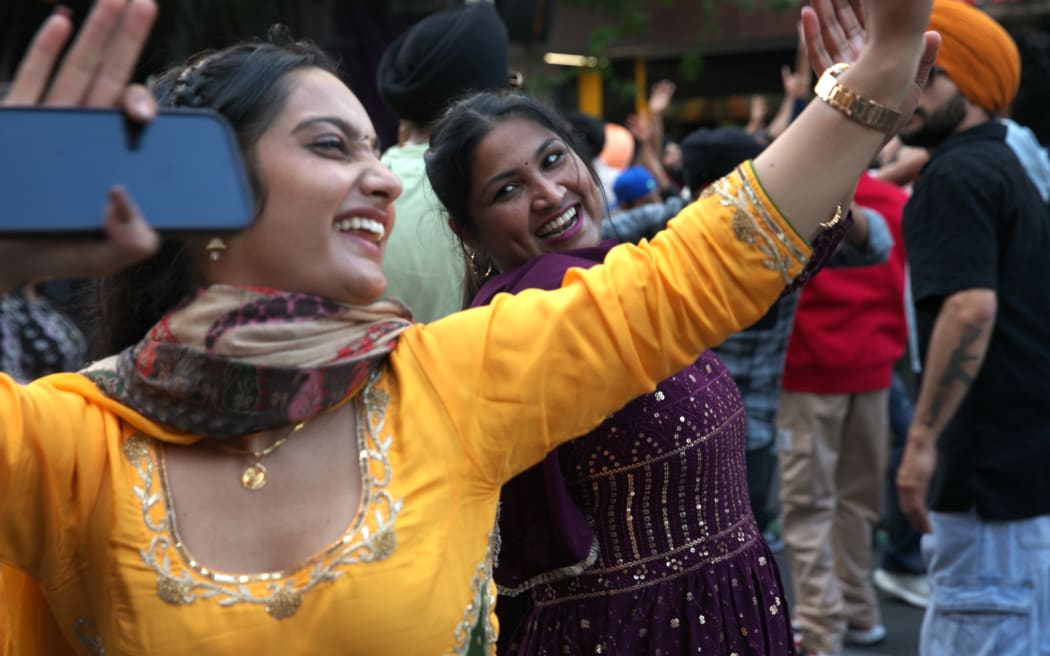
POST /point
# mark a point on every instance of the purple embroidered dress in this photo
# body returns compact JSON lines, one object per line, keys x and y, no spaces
{"x":638,"y":538}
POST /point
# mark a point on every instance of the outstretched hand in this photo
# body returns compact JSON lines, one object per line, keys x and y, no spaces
{"x":797,"y":82}
{"x":95,"y":73}
{"x":660,"y":97}
{"x":843,"y":30}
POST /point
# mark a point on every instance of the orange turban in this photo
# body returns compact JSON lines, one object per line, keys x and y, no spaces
{"x":977,"y":54}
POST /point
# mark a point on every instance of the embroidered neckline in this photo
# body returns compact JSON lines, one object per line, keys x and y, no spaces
{"x":370,"y":537}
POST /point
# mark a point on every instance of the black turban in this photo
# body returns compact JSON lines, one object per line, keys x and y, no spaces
{"x":708,"y":155}
{"x":442,"y":57}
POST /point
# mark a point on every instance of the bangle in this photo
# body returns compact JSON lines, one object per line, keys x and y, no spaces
{"x":868,"y":113}
{"x":835,"y":219}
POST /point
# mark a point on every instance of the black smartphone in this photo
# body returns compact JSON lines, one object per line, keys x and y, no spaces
{"x":183,"y":170}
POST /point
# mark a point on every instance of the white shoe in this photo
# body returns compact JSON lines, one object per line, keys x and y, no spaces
{"x":801,"y":649}
{"x":871,"y":635}
{"x":913,"y":589}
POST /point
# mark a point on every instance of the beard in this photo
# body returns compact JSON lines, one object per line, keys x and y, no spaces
{"x":937,"y":125}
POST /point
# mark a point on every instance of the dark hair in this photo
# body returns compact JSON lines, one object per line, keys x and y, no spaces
{"x":247,"y":84}
{"x":453,"y":142}
{"x":589,"y":132}
{"x":1033,"y":95}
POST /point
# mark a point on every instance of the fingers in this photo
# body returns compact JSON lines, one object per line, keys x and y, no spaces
{"x":914,"y":509}
{"x":931,"y":44}
{"x":35,"y":69}
{"x":128,"y":240}
{"x":858,"y":11}
{"x":139,"y":104}
{"x":662,"y":88}
{"x":102,"y":59}
{"x":660,"y":96}
{"x":852,"y":28}
{"x":819,"y":59}
{"x":80,"y":65}
{"x":130,"y":236}
{"x":913,"y":477}
{"x":801,"y":52}
{"x":122,"y":54}
{"x":835,"y":40}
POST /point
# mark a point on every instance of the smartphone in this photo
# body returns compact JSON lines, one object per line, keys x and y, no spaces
{"x":183,"y":170}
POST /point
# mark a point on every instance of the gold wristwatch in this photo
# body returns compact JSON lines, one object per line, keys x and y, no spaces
{"x":868,"y":113}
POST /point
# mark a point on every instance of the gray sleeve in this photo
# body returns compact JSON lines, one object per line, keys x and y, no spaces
{"x":876,"y":251}
{"x":636,"y":224}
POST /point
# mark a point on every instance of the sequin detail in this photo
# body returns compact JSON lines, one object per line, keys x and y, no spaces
{"x":663,"y":483}
{"x":371,"y":537}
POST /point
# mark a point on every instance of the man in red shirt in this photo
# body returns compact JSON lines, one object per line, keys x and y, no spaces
{"x":833,"y":429}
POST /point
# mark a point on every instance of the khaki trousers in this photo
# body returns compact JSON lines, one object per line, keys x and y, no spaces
{"x":832,"y":451}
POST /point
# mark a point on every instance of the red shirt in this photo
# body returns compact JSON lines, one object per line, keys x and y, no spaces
{"x":850,"y":326}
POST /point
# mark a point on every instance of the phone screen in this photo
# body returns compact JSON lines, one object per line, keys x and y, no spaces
{"x":183,"y":170}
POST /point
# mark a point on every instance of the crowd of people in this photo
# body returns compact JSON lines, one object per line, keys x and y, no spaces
{"x":547,"y":412}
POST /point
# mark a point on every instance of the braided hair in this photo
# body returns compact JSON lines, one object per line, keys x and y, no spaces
{"x":248,"y":84}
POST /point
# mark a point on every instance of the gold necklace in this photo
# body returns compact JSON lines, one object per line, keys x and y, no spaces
{"x":253,"y":476}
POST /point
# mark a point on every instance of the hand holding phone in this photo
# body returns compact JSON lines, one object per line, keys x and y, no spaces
{"x":183,"y":169}
{"x":94,"y":73}
{"x":128,"y":240}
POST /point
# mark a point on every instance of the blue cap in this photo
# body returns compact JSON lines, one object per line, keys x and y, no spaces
{"x":632,"y":184}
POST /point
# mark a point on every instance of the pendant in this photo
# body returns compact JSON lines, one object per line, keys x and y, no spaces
{"x":254,"y":477}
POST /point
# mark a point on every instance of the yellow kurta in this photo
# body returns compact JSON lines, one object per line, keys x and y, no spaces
{"x":464,"y":404}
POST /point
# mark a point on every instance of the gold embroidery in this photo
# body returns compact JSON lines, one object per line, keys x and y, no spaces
{"x":172,"y":591}
{"x":370,"y":538}
{"x":86,"y":631}
{"x":284,"y":603}
{"x":136,"y":447}
{"x":483,"y":601}
{"x":754,"y":225}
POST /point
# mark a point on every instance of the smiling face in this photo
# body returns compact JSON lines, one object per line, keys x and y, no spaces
{"x":328,"y":199}
{"x":530,"y":194}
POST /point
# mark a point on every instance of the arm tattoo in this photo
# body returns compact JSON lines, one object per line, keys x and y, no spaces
{"x":955,"y":371}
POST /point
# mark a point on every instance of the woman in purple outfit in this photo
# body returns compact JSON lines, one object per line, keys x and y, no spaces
{"x":637,"y":538}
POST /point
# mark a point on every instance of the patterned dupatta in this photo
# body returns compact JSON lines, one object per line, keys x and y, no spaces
{"x":238,"y":360}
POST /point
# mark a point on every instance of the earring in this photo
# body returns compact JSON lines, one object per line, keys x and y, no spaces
{"x":215,"y":249}
{"x":482,"y":264}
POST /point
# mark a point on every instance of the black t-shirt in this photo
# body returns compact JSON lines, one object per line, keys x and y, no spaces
{"x":975,"y":220}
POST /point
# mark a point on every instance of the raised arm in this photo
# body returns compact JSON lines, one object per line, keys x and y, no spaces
{"x":527,"y":372}
{"x":797,"y":84}
{"x":816,"y":162}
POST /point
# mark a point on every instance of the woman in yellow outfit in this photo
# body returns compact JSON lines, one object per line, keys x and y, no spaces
{"x":279,"y":461}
